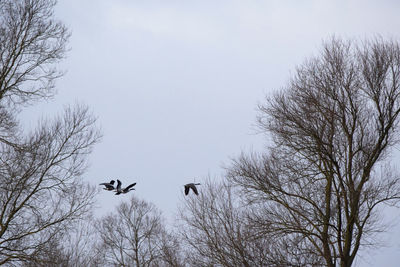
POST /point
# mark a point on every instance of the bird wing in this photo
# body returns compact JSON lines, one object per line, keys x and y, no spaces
{"x":194,"y":189}
{"x":112,"y":182}
{"x":186,"y":190}
{"x":107,"y":186}
{"x":126,"y":189}
{"x":118,"y":185}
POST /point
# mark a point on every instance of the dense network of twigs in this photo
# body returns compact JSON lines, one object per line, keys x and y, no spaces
{"x":312,"y":198}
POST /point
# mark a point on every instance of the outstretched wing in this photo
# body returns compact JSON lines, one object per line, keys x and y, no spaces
{"x":126,"y":189}
{"x":194,"y":189}
{"x":108,"y":186}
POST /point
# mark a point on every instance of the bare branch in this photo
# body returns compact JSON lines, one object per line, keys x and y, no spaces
{"x":332,"y":127}
{"x":31,"y":42}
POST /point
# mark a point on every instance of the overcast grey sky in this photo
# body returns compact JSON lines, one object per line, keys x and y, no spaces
{"x":175,"y":84}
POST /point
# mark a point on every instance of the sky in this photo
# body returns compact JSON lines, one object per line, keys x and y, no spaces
{"x":175,"y":84}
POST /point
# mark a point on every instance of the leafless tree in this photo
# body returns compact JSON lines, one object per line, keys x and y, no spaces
{"x":51,"y":254}
{"x":216,"y":231}
{"x":79,"y":245}
{"x":31,"y":41}
{"x":134,"y":235}
{"x":74,"y":248}
{"x":170,"y":249}
{"x":42,"y":193}
{"x":41,"y":190}
{"x":328,"y":170}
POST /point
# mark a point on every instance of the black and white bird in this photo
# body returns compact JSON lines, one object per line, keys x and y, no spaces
{"x":109,"y":186}
{"x":191,"y":186}
{"x":125,"y":190}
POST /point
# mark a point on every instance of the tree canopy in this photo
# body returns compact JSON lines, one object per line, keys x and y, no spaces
{"x":333,"y":126}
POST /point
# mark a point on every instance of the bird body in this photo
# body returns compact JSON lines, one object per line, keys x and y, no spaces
{"x":191,"y":186}
{"x":109,"y":186}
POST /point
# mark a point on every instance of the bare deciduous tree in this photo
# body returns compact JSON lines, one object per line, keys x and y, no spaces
{"x":31,"y":41}
{"x":41,"y":190}
{"x":216,"y":231}
{"x":79,"y":245}
{"x":323,"y":179}
{"x":74,"y":248}
{"x":134,"y":235}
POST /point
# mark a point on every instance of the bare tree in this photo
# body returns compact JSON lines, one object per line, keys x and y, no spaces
{"x":51,"y":254}
{"x":79,"y":245}
{"x":31,"y":41}
{"x":42,"y":193}
{"x":170,"y":249}
{"x":216,"y":231}
{"x":323,"y":180}
{"x":74,"y":248}
{"x":134,"y":235}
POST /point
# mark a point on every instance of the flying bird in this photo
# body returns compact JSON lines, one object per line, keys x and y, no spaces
{"x":125,"y":190}
{"x":109,"y":186}
{"x":191,"y":186}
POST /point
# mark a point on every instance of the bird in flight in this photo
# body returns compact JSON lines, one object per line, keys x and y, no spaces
{"x":125,"y":190}
{"x":191,"y":186}
{"x":109,"y":186}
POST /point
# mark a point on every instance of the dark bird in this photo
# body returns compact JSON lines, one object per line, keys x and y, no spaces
{"x":124,"y":190}
{"x":109,"y":186}
{"x":191,"y":186}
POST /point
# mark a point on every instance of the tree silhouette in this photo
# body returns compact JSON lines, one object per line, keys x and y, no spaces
{"x":41,"y":190}
{"x":322,"y":181}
